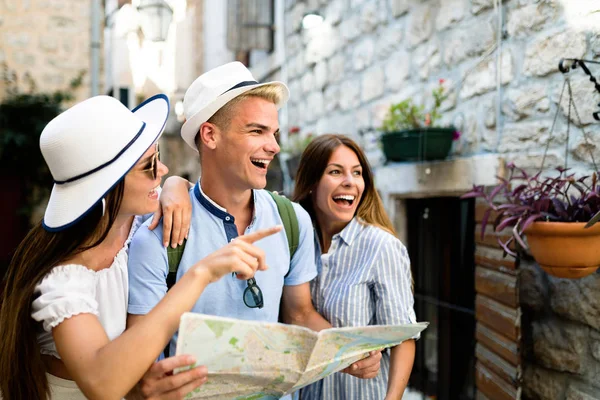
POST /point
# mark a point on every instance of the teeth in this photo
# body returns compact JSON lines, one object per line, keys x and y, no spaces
{"x":256,"y":160}
{"x":344,"y":197}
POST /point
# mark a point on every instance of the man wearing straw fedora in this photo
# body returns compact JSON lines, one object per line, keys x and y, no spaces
{"x":232,"y":121}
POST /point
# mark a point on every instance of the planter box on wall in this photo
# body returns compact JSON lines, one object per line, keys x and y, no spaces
{"x":418,"y":144}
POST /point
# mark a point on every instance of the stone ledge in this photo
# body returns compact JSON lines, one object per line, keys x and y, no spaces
{"x":451,"y":177}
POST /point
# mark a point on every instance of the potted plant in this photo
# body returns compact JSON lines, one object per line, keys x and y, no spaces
{"x":557,"y":215}
{"x":410,"y":132}
{"x":293,"y":147}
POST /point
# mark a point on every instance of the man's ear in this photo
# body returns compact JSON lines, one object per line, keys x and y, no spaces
{"x":207,"y":136}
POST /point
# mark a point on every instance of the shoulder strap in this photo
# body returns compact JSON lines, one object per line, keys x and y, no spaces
{"x":174,"y":257}
{"x":290,"y":221}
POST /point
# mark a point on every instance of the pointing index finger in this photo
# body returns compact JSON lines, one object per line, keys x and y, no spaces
{"x":263,"y":233}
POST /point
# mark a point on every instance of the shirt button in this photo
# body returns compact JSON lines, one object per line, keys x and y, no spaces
{"x":227,"y":218}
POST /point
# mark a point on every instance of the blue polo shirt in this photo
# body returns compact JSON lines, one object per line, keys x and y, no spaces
{"x":212,"y":228}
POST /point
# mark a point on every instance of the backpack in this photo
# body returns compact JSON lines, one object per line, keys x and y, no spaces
{"x":290,"y":225}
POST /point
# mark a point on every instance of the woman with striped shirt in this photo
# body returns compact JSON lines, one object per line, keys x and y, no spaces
{"x":364,"y":270}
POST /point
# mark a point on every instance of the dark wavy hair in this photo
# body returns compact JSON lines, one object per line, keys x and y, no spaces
{"x":23,"y":373}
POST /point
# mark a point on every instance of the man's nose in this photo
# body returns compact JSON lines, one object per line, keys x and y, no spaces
{"x":272,"y":146}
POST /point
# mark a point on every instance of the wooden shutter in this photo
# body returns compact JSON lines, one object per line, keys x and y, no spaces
{"x":250,"y":25}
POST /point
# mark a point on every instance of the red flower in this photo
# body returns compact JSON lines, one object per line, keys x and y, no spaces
{"x":294,"y":129}
{"x":442,"y":81}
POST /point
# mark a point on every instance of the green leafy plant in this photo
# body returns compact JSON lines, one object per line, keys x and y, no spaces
{"x":408,"y":115}
{"x":296,"y":142}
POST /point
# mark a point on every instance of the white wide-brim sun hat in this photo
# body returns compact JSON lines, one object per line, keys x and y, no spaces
{"x":215,"y":88}
{"x":90,"y":147}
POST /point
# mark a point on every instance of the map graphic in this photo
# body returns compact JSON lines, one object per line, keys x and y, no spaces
{"x":250,"y":360}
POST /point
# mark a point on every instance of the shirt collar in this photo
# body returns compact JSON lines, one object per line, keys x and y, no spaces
{"x":351,"y":230}
{"x":216,"y":209}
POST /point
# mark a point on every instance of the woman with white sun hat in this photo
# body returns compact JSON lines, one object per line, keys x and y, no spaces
{"x":64,"y":299}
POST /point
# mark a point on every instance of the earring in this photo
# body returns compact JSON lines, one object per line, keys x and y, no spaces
{"x":310,"y":192}
{"x":103,"y":206}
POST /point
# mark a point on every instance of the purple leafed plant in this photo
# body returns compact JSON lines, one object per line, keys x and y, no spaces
{"x":521,"y":200}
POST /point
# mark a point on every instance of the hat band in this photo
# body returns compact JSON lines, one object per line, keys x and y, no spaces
{"x":239,"y":85}
{"x":98,"y":168}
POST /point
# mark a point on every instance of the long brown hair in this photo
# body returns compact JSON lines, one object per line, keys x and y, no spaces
{"x":313,"y":162}
{"x":23,"y":373}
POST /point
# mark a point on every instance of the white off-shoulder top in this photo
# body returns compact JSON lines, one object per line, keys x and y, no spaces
{"x":73,"y":289}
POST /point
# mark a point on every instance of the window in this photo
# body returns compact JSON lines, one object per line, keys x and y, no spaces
{"x":250,"y":25}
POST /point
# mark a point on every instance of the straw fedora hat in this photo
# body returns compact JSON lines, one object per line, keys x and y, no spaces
{"x":215,"y":88}
{"x":90,"y":147}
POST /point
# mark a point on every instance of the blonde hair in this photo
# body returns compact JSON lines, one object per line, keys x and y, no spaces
{"x":272,"y":93}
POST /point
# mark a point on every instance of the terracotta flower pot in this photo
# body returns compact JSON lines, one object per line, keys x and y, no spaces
{"x":565,"y":249}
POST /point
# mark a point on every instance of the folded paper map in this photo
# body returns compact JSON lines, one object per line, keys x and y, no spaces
{"x":259,"y":360}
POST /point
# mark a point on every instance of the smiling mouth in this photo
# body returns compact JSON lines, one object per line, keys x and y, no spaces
{"x":154,"y":192}
{"x":344,"y":200}
{"x":260,"y":163}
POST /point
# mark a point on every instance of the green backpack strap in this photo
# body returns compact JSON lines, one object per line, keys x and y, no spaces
{"x":174,"y":257}
{"x":290,"y":224}
{"x":290,"y":221}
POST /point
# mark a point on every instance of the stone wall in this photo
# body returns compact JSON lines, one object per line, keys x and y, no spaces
{"x":49,"y":40}
{"x":344,"y":74}
{"x":561,"y":335}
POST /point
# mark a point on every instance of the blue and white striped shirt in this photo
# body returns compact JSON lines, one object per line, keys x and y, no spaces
{"x":364,"y":279}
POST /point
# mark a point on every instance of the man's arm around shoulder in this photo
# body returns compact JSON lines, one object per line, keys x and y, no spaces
{"x":147,"y":269}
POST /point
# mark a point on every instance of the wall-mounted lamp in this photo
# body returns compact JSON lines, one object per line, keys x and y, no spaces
{"x":311,"y":20}
{"x":156,"y":17}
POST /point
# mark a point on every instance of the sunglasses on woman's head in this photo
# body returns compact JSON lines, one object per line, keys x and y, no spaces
{"x":153,"y":168}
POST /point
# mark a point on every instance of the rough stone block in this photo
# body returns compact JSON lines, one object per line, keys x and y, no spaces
{"x":293,"y":44}
{"x":372,"y":84}
{"x":334,"y":12}
{"x":332,"y":98}
{"x":595,"y":44}
{"x":363,"y":54}
{"x":295,"y":87}
{"x":427,"y":58}
{"x":450,"y":12}
{"x":469,"y":41}
{"x":320,"y":74}
{"x":324,"y":41}
{"x":371,"y":17}
{"x":336,"y":68}
{"x":585,"y":99}
{"x":349,"y":29}
{"x":577,"y":299}
{"x":542,"y":384}
{"x":349,"y":95}
{"x":399,"y":7}
{"x":574,"y":393}
{"x":524,"y":136}
{"x":420,"y":26}
{"x":397,"y":69}
{"x":389,"y":40}
{"x":315,"y":106}
{"x":524,"y":101}
{"x":532,"y":290}
{"x":478,"y":6}
{"x":483,"y":78}
{"x":296,"y":15}
{"x":308,"y":82}
{"x":523,"y":21}
{"x":542,"y":56}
